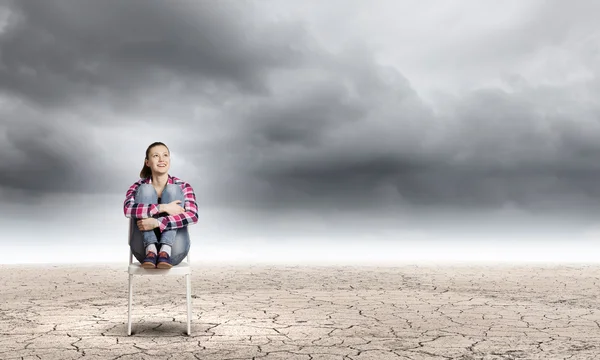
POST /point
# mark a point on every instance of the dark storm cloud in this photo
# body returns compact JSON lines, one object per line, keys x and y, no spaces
{"x":41,"y":157}
{"x":303,"y":119}
{"x":536,"y":147}
{"x":115,"y":62}
{"x":67,"y":51}
{"x":288,"y":127}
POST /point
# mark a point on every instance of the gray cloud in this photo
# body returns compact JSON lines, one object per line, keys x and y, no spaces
{"x":69,"y":51}
{"x":492,"y":148}
{"x":42,"y":155}
{"x":270,"y":118}
{"x":123,"y":65}
{"x":501,"y":150}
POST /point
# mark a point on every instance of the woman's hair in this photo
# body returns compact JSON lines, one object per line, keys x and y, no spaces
{"x":146,"y":171}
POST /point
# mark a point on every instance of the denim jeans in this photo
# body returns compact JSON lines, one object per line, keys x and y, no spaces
{"x":179,"y":239}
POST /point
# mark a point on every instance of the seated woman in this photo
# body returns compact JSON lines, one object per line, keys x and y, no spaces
{"x":154,"y":203}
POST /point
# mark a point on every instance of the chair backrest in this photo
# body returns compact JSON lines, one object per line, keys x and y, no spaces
{"x":130,"y":235}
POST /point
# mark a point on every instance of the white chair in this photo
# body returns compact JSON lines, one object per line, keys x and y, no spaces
{"x":182,"y":268}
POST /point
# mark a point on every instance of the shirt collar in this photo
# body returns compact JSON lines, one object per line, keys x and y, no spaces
{"x":169,"y":179}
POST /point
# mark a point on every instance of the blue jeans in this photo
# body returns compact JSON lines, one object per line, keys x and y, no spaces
{"x":179,"y":239}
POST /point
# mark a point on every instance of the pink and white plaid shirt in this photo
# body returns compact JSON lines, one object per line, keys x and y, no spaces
{"x":142,"y":211}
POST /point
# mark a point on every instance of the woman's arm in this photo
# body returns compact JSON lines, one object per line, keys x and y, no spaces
{"x":138,"y":211}
{"x":189,"y":217}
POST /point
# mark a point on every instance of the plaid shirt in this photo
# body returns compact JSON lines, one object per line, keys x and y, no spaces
{"x":142,"y":211}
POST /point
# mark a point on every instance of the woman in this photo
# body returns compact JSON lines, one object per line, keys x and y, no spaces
{"x":160,"y":236}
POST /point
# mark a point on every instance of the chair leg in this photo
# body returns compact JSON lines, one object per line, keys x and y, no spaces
{"x":189,"y":303}
{"x":129,"y":306}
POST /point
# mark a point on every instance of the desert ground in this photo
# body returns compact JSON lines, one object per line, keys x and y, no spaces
{"x":304,"y":312}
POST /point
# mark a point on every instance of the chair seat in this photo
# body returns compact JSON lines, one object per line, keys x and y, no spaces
{"x":182,"y":268}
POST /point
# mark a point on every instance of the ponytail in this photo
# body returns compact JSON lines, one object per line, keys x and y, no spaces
{"x":146,"y":171}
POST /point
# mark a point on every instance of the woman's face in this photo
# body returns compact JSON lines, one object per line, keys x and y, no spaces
{"x":158,"y":160}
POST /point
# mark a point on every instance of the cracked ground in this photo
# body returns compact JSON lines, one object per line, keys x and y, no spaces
{"x":259,"y":312}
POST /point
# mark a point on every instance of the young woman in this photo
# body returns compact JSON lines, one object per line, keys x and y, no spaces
{"x":161,"y":207}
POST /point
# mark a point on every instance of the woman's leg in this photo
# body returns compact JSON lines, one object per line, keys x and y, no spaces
{"x":140,"y":239}
{"x":178,"y":239}
{"x":181,"y":245}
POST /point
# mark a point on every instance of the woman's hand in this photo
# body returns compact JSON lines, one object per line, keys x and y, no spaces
{"x":173,"y":208}
{"x":147,"y":224}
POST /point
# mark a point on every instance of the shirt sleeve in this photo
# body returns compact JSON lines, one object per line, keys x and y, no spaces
{"x":188,"y":217}
{"x":135,"y":210}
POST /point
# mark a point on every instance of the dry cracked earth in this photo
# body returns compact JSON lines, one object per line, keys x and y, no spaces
{"x":343,"y":313}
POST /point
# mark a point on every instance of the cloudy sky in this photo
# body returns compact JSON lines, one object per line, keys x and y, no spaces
{"x":303,"y":126}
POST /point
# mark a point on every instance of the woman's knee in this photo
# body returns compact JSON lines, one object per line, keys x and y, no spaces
{"x":146,"y":194}
{"x":172,"y":192}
